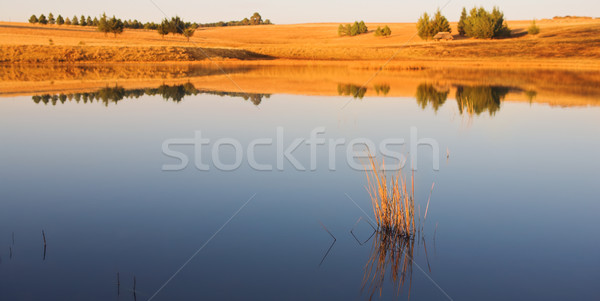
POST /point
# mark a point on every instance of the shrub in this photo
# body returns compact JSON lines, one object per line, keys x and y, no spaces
{"x":533,"y":29}
{"x":482,"y":24}
{"x":352,"y":30}
{"x":383,"y":32}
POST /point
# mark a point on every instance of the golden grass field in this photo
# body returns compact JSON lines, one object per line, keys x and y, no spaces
{"x":564,"y":43}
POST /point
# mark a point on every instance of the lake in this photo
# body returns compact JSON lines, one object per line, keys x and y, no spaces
{"x":201,"y":185}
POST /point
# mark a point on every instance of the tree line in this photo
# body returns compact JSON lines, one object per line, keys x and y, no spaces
{"x":255,"y":19}
{"x":115,"y":25}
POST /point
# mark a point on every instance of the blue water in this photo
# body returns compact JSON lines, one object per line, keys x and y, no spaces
{"x":514,"y":213}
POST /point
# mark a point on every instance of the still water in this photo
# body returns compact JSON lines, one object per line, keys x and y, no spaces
{"x":514,"y":213}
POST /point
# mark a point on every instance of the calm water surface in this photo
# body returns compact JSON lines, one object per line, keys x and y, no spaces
{"x":514,"y":214}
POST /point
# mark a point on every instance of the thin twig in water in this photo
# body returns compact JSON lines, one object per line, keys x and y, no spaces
{"x":327,"y":230}
{"x":118,"y":284}
{"x":429,"y":199}
{"x":330,"y":247}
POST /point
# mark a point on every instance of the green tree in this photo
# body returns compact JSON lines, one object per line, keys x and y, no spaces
{"x":256,"y":19}
{"x":163,"y":29}
{"x":115,"y":25}
{"x":440,"y":23}
{"x":89,"y":21}
{"x":68,"y":21}
{"x":60,"y":20}
{"x":103,"y":24}
{"x":82,"y":21}
{"x":42,"y":19}
{"x":95,"y":22}
{"x":51,"y":19}
{"x":176,"y":25}
{"x":461,"y":22}
{"x":387,"y":31}
{"x":33,"y":19}
{"x":533,"y":29}
{"x":74,"y":20}
{"x":424,"y":27}
{"x":378,"y":31}
{"x":188,"y":33}
{"x":482,"y":24}
{"x":362,"y":28}
{"x":354,"y":29}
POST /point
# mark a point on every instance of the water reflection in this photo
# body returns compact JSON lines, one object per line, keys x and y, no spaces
{"x":428,"y":94}
{"x":479,"y":99}
{"x":352,"y":90}
{"x":391,"y":252}
{"x":174,"y":93}
{"x":471,"y":100}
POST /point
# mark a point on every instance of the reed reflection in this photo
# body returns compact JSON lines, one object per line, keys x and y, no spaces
{"x":107,"y":95}
{"x":389,"y":252}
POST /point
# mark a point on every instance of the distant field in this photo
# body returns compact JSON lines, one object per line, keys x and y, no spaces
{"x":567,"y":43}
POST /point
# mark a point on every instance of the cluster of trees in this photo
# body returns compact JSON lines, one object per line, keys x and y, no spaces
{"x":481,"y":24}
{"x":383,"y":32}
{"x":176,"y":26}
{"x":352,"y":30}
{"x":255,"y":19}
{"x":427,"y":26}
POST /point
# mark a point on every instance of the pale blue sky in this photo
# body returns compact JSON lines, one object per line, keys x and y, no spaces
{"x":285,"y":11}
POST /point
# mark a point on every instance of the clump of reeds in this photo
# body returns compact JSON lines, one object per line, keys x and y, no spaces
{"x":393,"y":203}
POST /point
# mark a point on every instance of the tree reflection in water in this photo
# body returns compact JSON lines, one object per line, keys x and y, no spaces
{"x":175,"y":93}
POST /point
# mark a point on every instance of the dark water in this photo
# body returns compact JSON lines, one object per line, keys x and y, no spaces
{"x":514,"y":214}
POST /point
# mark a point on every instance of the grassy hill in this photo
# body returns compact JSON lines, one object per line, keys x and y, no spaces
{"x":567,"y":43}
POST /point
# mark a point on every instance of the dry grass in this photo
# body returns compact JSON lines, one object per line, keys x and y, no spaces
{"x":572,"y":43}
{"x":393,"y":204}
